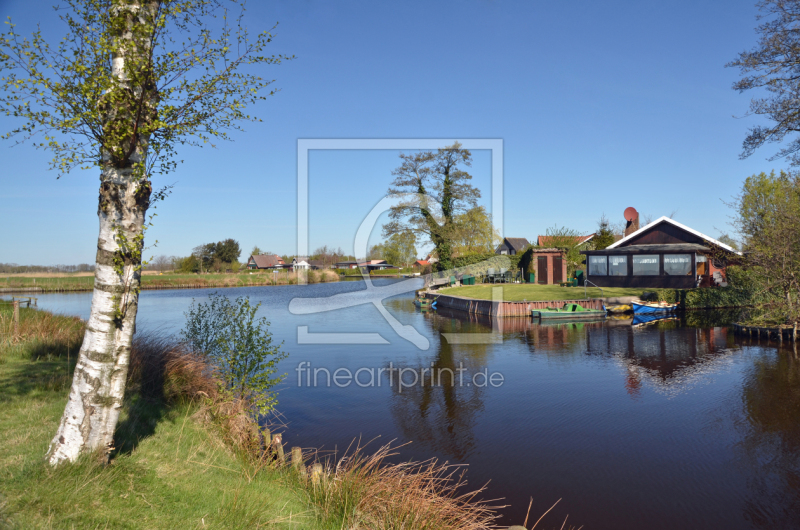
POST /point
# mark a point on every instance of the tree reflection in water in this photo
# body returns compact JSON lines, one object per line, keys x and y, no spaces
{"x":771,"y":440}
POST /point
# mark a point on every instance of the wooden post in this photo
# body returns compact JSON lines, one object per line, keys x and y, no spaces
{"x":16,"y":317}
{"x":277,"y":446}
{"x":297,"y":460}
{"x":316,"y":474}
{"x":266,"y":437}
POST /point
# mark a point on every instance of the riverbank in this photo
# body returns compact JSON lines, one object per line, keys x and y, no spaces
{"x":517,"y":292}
{"x":185,"y":457}
{"x":81,"y":282}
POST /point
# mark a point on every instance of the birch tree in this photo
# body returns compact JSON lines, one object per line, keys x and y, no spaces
{"x":130,"y":81}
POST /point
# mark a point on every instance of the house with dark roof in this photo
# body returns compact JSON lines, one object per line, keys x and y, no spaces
{"x":662,"y":254}
{"x":265,"y":261}
{"x":512,"y":246}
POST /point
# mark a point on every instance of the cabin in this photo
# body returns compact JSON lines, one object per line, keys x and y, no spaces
{"x":549,"y":265}
{"x":303,"y":262}
{"x":662,"y":254}
{"x":421,"y":264}
{"x":265,"y":261}
{"x":511,"y":246}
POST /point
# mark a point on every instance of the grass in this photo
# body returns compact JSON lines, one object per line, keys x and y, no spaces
{"x":167,"y":280}
{"x":187,"y":456}
{"x":526,"y":291}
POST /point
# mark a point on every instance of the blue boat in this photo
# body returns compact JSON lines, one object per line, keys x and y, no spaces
{"x":650,"y":318}
{"x":652,"y":308}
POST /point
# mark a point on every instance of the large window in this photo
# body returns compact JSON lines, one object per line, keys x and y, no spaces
{"x":598,"y":266}
{"x":618,"y":265}
{"x":645,"y":265}
{"x":678,"y":264}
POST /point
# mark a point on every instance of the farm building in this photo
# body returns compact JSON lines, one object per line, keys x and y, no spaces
{"x":662,"y":254}
{"x":265,"y":261}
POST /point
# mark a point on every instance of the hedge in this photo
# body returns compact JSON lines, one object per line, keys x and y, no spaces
{"x":743,"y":290}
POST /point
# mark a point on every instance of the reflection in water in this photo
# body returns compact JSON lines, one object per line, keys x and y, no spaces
{"x":442,"y":415}
{"x":771,"y":442}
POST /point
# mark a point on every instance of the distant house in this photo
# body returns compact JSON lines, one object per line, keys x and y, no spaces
{"x":265,"y":261}
{"x":303,"y":262}
{"x":663,"y":254}
{"x":547,"y":241}
{"x":512,"y":246}
{"x":365,"y":265}
{"x":421,"y":264}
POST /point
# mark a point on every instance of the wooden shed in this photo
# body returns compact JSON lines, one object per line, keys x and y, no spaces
{"x":549,"y":265}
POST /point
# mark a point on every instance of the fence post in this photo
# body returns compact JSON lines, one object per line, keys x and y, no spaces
{"x":16,"y":317}
{"x":297,"y":460}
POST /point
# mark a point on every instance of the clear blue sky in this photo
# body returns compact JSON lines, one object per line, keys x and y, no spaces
{"x":601,"y":106}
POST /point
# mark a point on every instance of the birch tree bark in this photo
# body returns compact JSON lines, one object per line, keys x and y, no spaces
{"x":98,"y":385}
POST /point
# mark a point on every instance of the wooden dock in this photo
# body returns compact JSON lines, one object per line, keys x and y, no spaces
{"x":778,"y":334}
{"x":500,"y":309}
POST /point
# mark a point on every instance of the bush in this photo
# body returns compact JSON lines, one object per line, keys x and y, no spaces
{"x":743,"y":290}
{"x":239,"y":345}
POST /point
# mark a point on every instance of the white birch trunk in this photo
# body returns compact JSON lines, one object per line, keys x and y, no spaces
{"x":98,"y":386}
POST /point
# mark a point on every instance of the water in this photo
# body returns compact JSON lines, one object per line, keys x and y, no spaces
{"x":673,"y":425}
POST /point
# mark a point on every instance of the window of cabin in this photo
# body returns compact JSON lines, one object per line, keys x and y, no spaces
{"x":678,"y":264}
{"x":598,"y":266}
{"x":618,"y":265}
{"x":645,"y":265}
{"x":702,"y":264}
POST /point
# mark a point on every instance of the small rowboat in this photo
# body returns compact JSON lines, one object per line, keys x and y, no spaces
{"x":569,"y":311}
{"x":644,"y":308}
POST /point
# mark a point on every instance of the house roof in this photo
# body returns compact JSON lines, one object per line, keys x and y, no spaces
{"x":543,"y":241}
{"x":517,"y":243}
{"x":646,"y":249}
{"x":316,"y":263}
{"x":266,"y":261}
{"x":665,"y":219}
{"x":422,"y":262}
{"x":298,"y":259}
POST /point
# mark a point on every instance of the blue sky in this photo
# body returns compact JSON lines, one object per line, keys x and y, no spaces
{"x":600,"y":106}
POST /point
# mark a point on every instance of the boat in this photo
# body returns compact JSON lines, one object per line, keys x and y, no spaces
{"x":651,"y":318}
{"x":569,"y":311}
{"x":425,"y":303}
{"x":641,"y":308}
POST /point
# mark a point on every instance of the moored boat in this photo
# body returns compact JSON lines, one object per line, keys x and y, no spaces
{"x":569,"y":311}
{"x":642,"y":308}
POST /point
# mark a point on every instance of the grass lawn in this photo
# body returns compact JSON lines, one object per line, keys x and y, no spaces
{"x":179,"y":474}
{"x":526,"y":291}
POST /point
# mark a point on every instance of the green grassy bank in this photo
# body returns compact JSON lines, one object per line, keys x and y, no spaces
{"x":186,"y":456}
{"x":167,"y":280}
{"x":526,"y":291}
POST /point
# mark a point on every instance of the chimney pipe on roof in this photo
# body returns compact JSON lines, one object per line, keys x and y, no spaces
{"x":632,"y":218}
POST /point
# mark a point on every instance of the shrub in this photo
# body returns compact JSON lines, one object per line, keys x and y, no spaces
{"x":239,"y":345}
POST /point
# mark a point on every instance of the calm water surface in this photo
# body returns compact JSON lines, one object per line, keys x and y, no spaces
{"x":672,"y":425}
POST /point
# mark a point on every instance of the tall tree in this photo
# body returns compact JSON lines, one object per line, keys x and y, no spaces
{"x":768,"y":222}
{"x":604,"y":236}
{"x":227,"y":251}
{"x":433,"y":190}
{"x":773,"y":65}
{"x":130,"y":81}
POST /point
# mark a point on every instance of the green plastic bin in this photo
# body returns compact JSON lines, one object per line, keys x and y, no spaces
{"x":579,"y":277}
{"x":532,"y":277}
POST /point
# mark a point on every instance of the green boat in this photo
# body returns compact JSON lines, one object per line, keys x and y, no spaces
{"x":569,"y":312}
